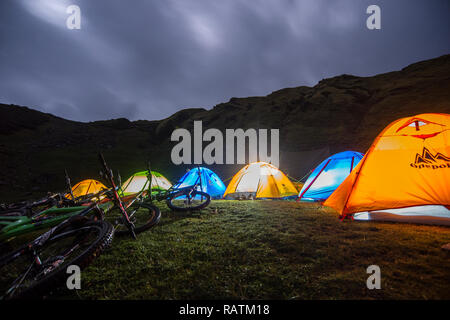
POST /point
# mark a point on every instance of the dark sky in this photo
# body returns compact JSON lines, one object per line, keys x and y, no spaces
{"x":146,"y":59}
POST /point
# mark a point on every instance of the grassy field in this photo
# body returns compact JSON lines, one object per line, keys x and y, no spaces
{"x":269,"y":250}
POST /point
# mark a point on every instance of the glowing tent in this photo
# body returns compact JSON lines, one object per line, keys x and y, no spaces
{"x":404,"y":176}
{"x":208,"y":181}
{"x":328,"y":175}
{"x":86,"y":187}
{"x":260,"y":180}
{"x":139,"y":181}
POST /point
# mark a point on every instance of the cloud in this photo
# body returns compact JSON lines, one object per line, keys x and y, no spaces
{"x":148,"y":59}
{"x":50,"y":11}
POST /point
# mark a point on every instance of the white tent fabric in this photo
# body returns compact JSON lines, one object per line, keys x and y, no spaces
{"x":138,"y":182}
{"x":430,"y":214}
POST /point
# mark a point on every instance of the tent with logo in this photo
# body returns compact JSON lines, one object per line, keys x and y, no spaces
{"x":328,"y":175}
{"x":404,"y":176}
{"x":207,"y":181}
{"x":85,"y":187}
{"x":260,"y":180}
{"x":139,"y":181}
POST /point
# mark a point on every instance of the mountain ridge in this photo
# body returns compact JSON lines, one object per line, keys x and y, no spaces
{"x":338,"y":113}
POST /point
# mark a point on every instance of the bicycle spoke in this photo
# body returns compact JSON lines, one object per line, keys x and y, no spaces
{"x":19,"y":281}
{"x":188,"y":200}
{"x":51,"y":258}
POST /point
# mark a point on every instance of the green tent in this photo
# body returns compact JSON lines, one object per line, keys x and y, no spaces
{"x":139,"y":181}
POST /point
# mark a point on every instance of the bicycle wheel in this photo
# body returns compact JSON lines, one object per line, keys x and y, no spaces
{"x":142,"y":215}
{"x":186,"y":200}
{"x":30,"y":273}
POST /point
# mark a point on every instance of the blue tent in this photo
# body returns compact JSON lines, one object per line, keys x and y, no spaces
{"x":328,"y":175}
{"x":209,"y":182}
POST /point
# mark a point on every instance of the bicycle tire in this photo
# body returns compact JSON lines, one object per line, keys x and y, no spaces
{"x":151,"y":221}
{"x":174,"y":196}
{"x":58,"y":276}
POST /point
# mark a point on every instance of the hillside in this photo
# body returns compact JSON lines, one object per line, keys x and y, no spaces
{"x":344,"y":112}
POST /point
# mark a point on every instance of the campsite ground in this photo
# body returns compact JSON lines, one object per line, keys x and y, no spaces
{"x":269,"y":250}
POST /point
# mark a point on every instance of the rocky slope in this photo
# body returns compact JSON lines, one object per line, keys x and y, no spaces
{"x":340,"y":113}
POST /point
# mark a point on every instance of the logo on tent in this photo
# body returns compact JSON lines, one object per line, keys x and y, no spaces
{"x":428,"y":160}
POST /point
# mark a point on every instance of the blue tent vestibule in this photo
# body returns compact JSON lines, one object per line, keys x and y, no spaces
{"x":328,"y":175}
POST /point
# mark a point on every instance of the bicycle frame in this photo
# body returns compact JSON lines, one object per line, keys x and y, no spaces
{"x":145,"y":194}
{"x":160,"y":195}
{"x":12,"y":226}
{"x":18,"y":225}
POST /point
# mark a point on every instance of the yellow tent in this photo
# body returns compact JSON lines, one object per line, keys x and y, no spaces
{"x":407,"y":165}
{"x":85,"y":187}
{"x":260,"y":180}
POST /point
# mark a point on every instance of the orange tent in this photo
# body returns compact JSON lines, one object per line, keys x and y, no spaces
{"x":407,"y":165}
{"x":86,"y":187}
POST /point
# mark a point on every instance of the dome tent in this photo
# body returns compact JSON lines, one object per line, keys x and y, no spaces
{"x":404,"y":176}
{"x":139,"y":181}
{"x":260,"y":180}
{"x":85,"y":187}
{"x":328,"y":175}
{"x":208,"y":181}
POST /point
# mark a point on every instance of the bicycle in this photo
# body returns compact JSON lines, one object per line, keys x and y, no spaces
{"x":24,"y":217}
{"x":130,"y":214}
{"x":179,"y":199}
{"x":21,"y":218}
{"x":41,"y":264}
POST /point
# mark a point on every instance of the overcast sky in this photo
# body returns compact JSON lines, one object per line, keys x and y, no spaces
{"x":146,"y":59}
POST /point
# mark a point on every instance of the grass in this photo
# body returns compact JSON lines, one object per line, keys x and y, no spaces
{"x":269,"y":250}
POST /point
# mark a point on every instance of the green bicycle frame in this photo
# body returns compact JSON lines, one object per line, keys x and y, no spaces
{"x":12,"y":226}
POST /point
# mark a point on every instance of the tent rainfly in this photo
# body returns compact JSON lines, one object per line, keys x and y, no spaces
{"x":328,"y":175}
{"x":404,"y":176}
{"x":85,"y":187}
{"x":139,"y":181}
{"x":259,"y":180}
{"x":207,"y":180}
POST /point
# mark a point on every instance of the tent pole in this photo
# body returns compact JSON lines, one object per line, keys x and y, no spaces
{"x":201,"y":186}
{"x":149,"y":177}
{"x":307,"y":188}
